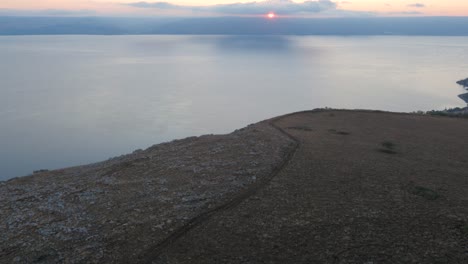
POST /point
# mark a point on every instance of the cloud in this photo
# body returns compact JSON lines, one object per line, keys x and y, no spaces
{"x":404,"y":13}
{"x":158,"y":5}
{"x":251,"y":8}
{"x":417,"y":5}
{"x":46,"y":12}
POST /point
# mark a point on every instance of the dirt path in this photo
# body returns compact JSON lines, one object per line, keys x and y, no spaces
{"x":157,"y":250}
{"x":363,"y":187}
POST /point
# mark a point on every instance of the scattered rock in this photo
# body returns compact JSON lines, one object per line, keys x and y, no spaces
{"x":39,"y":171}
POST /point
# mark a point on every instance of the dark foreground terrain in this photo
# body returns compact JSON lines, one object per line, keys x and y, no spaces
{"x":310,"y":187}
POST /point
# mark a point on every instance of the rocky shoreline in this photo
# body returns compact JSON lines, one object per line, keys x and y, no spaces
{"x":458,"y":111}
{"x":464,"y":96}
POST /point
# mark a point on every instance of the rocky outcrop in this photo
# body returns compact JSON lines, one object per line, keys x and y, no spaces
{"x":464,"y":82}
{"x":464,"y":97}
{"x":118,"y":210}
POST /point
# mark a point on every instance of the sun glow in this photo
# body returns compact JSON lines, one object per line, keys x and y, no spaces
{"x":271,"y":15}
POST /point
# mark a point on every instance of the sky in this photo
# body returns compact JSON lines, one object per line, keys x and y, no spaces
{"x":286,"y":8}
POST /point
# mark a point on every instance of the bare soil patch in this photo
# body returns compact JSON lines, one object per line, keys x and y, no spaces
{"x":341,"y":201}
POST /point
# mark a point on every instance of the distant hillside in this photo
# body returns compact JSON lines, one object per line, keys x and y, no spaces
{"x":417,"y":26}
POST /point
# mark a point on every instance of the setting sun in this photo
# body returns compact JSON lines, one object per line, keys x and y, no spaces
{"x":271,"y":15}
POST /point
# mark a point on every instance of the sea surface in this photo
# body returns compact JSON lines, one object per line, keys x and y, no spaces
{"x":71,"y":100}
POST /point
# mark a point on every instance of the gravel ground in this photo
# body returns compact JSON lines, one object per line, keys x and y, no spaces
{"x":120,"y":210}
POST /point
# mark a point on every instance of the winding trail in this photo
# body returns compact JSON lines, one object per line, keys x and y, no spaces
{"x":156,"y":251}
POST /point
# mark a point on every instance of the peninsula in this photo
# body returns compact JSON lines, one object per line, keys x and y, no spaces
{"x":322,"y":186}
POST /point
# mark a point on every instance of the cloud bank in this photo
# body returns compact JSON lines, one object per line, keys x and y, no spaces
{"x":46,"y":12}
{"x":285,"y":7}
{"x":417,"y":5}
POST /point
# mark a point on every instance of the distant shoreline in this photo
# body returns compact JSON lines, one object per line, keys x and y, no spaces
{"x":364,"y":26}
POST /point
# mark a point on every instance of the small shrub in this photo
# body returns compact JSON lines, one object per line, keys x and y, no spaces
{"x":426,"y":193}
{"x":388,"y":144}
{"x":388,"y":147}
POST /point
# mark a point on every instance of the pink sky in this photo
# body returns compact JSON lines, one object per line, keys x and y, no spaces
{"x":112,"y":7}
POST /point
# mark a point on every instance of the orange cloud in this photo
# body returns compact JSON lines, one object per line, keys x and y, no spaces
{"x":379,"y":7}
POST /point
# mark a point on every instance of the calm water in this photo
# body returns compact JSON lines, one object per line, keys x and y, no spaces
{"x":70,"y":100}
